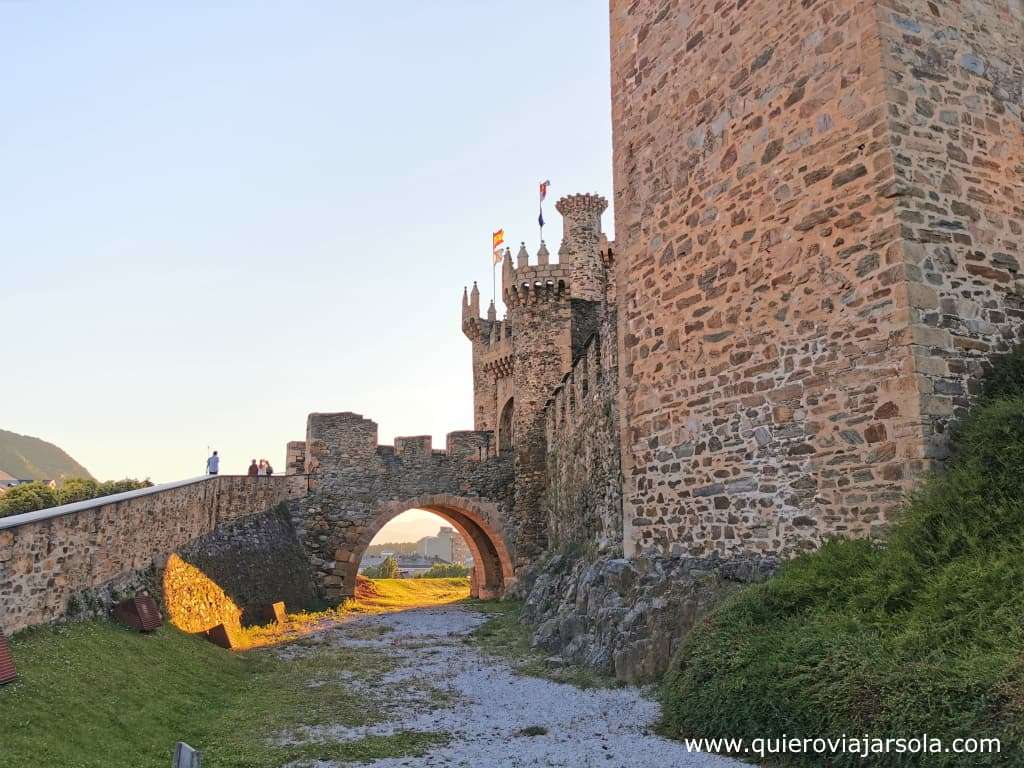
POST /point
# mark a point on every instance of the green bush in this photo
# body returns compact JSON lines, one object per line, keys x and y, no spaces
{"x":27,"y":497}
{"x":36,"y":495}
{"x":445,"y":571}
{"x":1006,"y":379}
{"x":922,"y":635}
{"x":77,"y":489}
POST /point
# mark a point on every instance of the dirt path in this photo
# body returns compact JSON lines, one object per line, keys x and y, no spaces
{"x":443,"y":684}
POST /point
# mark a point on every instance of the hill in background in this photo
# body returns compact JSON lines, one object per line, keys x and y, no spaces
{"x":29,"y":458}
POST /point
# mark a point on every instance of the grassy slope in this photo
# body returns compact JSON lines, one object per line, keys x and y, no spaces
{"x":29,"y":458}
{"x":94,"y":694}
{"x":925,"y":635}
{"x":396,"y":594}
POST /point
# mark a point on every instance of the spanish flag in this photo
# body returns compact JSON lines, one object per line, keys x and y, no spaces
{"x":497,"y":239}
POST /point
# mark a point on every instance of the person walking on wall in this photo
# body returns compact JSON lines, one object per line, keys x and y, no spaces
{"x":268,"y":470}
{"x":213,"y":464}
{"x":253,"y":469}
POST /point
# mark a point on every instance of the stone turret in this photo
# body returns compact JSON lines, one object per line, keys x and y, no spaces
{"x":579,"y":253}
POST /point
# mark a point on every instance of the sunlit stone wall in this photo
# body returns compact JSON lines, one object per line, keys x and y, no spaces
{"x":83,"y":556}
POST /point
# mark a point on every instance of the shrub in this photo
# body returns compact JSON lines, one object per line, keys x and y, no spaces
{"x":77,"y":489}
{"x":36,"y":495}
{"x":1006,"y":379}
{"x":923,"y":635}
{"x":27,"y":497}
{"x":445,"y":571}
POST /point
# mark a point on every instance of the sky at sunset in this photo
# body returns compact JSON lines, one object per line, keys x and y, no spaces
{"x":410,"y":526}
{"x":216,"y":218}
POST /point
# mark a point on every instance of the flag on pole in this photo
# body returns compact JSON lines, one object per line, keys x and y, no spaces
{"x":543,"y":193}
{"x":497,"y":239}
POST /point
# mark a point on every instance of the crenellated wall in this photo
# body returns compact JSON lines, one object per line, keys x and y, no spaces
{"x":583,"y":497}
{"x":356,"y":486}
{"x":84,"y":556}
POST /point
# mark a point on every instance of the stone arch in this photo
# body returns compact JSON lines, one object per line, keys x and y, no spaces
{"x":475,"y":519}
{"x":506,"y":436}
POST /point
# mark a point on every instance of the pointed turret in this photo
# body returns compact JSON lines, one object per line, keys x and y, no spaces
{"x":474,"y":300}
{"x":492,"y":313}
{"x":523,"y":257}
{"x":465,"y":303}
{"x":543,"y":257}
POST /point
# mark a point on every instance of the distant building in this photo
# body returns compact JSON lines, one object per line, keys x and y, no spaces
{"x":9,"y":481}
{"x":411,"y":566}
{"x":447,"y":545}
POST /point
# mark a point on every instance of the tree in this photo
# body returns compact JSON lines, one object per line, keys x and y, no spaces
{"x":77,"y":489}
{"x":389,"y":568}
{"x":110,"y":487}
{"x":27,"y":497}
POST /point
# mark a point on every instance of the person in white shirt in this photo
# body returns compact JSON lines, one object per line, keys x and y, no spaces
{"x":213,"y":464}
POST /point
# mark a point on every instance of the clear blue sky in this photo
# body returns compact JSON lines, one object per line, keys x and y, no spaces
{"x":216,"y":218}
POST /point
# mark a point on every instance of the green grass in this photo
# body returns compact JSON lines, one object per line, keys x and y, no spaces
{"x":398,"y":594}
{"x":505,"y":634}
{"x":922,"y":635}
{"x":94,"y":694}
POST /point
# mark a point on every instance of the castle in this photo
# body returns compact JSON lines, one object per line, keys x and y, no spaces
{"x":819,"y":216}
{"x":819,"y":211}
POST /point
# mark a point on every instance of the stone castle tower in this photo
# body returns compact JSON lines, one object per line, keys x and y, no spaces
{"x":518,"y":362}
{"x":819,"y":209}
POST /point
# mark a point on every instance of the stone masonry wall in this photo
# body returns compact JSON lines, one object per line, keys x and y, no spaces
{"x":108,"y":547}
{"x":767,"y":387}
{"x":540,"y":315}
{"x":584,"y":475}
{"x":256,"y":560}
{"x":627,"y":617}
{"x":357,"y":486}
{"x":954,"y":76}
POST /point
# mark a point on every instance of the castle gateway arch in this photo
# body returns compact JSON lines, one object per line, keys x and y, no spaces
{"x":357,"y":486}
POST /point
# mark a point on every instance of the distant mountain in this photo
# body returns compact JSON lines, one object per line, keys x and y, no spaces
{"x":29,"y":458}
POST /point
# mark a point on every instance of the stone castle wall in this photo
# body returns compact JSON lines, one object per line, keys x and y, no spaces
{"x":541,"y":336}
{"x":91,"y":553}
{"x":583,"y":498}
{"x":241,"y":567}
{"x":357,"y":486}
{"x":819,"y":221}
{"x":955,"y":89}
{"x":796,"y":288}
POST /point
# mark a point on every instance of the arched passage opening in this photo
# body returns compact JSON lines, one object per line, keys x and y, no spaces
{"x":473,"y":519}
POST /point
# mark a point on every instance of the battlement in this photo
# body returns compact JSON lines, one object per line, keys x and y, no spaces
{"x":528,"y":283}
{"x":349,"y":438}
{"x":567,"y":399}
{"x":582,"y":208}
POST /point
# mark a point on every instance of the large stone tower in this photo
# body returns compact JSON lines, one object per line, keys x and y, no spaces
{"x":820,"y":215}
{"x":519,"y":362}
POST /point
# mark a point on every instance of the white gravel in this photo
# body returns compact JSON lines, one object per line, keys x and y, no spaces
{"x":492,"y":705}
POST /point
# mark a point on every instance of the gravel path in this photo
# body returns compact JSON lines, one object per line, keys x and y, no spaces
{"x":490,"y":705}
